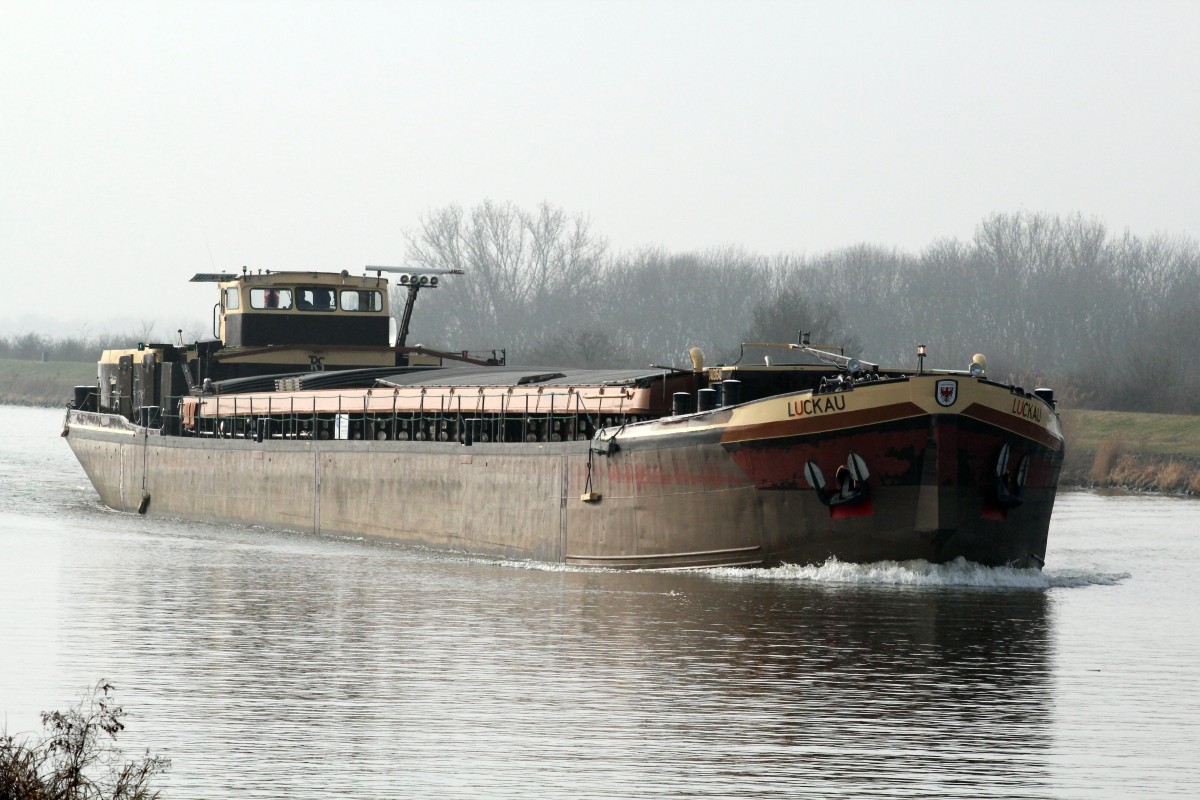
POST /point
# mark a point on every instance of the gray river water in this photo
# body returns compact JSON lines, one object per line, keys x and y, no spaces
{"x":268,"y":664}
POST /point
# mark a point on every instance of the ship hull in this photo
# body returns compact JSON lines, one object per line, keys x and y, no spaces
{"x":723,"y":488}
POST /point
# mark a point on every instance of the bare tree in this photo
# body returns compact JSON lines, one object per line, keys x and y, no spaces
{"x":1046,"y":297}
{"x":526,"y":273}
{"x":791,"y":311}
{"x":663,"y":304}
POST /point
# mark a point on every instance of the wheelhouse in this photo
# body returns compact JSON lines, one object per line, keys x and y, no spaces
{"x":295,"y":308}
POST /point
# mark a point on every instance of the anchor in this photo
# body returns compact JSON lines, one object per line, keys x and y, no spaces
{"x":1007,"y":487}
{"x":851,"y":480}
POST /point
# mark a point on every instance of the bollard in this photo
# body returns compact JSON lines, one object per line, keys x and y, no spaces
{"x":681,"y":403}
{"x":732,"y":392}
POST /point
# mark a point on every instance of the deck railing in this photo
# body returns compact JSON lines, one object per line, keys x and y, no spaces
{"x":475,"y":418}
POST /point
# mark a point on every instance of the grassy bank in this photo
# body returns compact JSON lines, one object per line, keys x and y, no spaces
{"x":38,"y":383}
{"x":1152,"y":452}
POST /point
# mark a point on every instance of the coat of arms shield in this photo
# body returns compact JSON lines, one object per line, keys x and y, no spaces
{"x":946,"y":392}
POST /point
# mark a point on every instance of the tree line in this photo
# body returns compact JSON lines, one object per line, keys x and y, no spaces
{"x":1105,"y":318}
{"x":82,"y":347}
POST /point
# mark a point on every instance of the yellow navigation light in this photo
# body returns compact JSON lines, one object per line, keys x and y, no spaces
{"x":978,"y":365}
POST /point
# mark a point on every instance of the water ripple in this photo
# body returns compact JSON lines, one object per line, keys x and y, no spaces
{"x":270,"y":664}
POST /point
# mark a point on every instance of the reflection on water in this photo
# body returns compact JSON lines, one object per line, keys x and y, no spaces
{"x":359,"y":668}
{"x":269,"y":665}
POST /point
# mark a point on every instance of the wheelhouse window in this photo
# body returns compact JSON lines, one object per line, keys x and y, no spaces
{"x":361,"y":300}
{"x":231,"y":298}
{"x":270,"y":298}
{"x":314,"y":298}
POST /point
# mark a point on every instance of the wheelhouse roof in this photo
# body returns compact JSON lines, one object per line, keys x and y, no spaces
{"x":292,"y":278}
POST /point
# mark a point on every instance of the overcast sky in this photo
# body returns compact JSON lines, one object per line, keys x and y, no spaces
{"x":143,"y":142}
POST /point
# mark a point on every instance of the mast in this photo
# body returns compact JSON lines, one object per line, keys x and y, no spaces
{"x":415,"y":278}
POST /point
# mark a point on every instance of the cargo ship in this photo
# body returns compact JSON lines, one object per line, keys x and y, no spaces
{"x":308,"y":411}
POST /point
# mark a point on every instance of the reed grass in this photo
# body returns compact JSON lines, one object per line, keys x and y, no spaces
{"x":1107,"y":455}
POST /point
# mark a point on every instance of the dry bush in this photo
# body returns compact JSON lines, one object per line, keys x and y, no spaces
{"x":78,"y":758}
{"x":1107,"y":456}
{"x":1173,"y":476}
{"x":1153,"y":474}
{"x":1132,"y":472}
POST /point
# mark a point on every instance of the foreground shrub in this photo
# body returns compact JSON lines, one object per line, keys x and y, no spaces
{"x":77,"y":758}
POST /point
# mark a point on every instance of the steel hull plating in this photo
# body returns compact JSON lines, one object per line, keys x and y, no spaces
{"x":721,"y":488}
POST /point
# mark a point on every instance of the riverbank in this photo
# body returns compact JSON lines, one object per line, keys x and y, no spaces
{"x":1143,"y":452}
{"x":42,"y":383}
